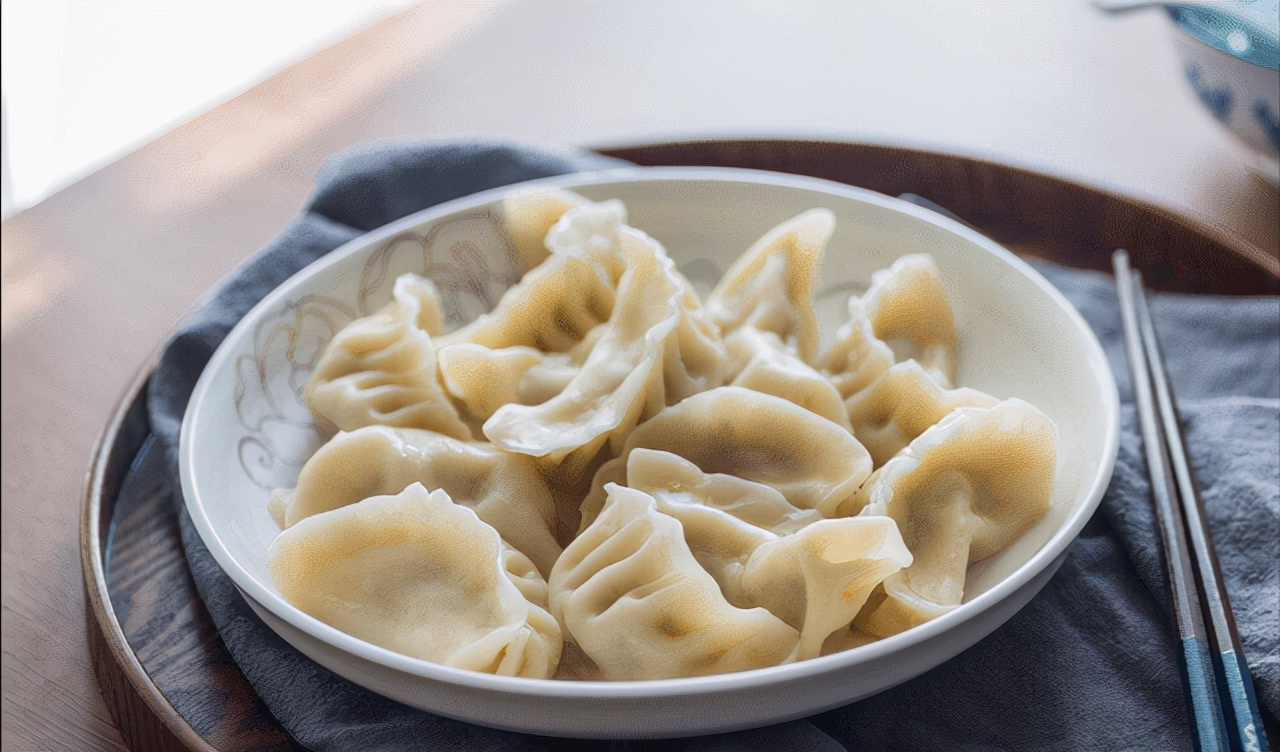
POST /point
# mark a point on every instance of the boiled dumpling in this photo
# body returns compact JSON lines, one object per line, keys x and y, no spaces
{"x":381,"y":369}
{"x":420,"y":575}
{"x":964,"y":490}
{"x":814,"y":463}
{"x":770,"y":287}
{"x":505,"y":490}
{"x":484,"y":379}
{"x":681,"y":480}
{"x":767,"y":366}
{"x":630,"y":594}
{"x":533,"y":343}
{"x":901,"y":405}
{"x":529,"y":214}
{"x":857,"y":358}
{"x":909,"y":311}
{"x":751,"y":502}
{"x":557,"y":304}
{"x":815,"y":578}
{"x":623,"y":379}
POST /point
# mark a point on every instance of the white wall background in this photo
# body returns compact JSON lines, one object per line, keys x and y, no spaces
{"x":86,"y":81}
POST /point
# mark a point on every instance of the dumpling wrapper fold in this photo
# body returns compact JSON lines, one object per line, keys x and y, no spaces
{"x":631,"y":595}
{"x":963,"y":491}
{"x":505,"y":490}
{"x":815,"y":578}
{"x":650,"y":347}
{"x":420,"y":575}
{"x":381,"y":369}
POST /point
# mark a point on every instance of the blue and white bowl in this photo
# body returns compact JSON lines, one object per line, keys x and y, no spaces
{"x":1230,"y":54}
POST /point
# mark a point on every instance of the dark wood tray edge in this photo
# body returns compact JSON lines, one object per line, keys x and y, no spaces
{"x":145,"y":717}
{"x":1175,"y":249}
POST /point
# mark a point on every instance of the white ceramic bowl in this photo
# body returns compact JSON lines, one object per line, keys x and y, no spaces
{"x":246,"y":431}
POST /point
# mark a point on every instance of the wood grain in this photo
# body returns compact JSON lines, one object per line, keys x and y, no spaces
{"x":1050,"y":217}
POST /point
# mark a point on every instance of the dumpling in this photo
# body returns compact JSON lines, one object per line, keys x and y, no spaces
{"x":909,"y":312}
{"x":814,"y":463}
{"x":901,"y":405}
{"x":528,"y":215}
{"x":483,"y":380}
{"x":624,"y":378}
{"x":681,"y":481}
{"x":420,"y":575}
{"x":505,"y":490}
{"x":381,"y":369}
{"x":630,"y":594}
{"x":770,"y":287}
{"x":534,"y":344}
{"x":557,"y":304}
{"x":815,"y":578}
{"x":963,"y":491}
{"x":768,"y":367}
{"x":857,"y":358}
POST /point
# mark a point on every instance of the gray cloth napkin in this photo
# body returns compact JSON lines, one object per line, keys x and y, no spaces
{"x":1090,"y":663}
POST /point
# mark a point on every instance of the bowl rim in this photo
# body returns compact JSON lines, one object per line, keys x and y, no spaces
{"x":684,"y":686}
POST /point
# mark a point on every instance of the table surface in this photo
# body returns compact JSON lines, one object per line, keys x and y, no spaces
{"x":95,"y":276}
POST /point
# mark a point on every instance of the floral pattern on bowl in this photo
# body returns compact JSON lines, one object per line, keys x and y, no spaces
{"x":472,"y":261}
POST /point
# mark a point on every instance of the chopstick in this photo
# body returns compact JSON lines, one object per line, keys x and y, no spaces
{"x":1224,"y":708}
{"x":1208,"y":729}
{"x":1235,"y":684}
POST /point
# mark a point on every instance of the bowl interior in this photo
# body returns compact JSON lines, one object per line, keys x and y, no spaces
{"x":246,"y":430}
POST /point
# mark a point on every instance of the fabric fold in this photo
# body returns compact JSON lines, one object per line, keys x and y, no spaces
{"x":1089,"y":663}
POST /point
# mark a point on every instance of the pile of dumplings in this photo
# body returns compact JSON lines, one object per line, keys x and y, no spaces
{"x":606,"y":477}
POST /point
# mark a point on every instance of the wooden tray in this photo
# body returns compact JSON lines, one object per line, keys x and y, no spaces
{"x":162,"y":667}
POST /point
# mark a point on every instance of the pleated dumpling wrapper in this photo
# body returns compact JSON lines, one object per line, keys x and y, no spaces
{"x":904,"y":316}
{"x":420,"y":575}
{"x":504,"y":490}
{"x":528,"y":214}
{"x":630,"y":594}
{"x":815,"y":579}
{"x":531,"y":345}
{"x":751,"y":502}
{"x":963,"y":491}
{"x":770,"y":287}
{"x":814,"y":463}
{"x":857,"y":358}
{"x":381,"y":369}
{"x":901,"y":405}
{"x":909,"y":312}
{"x":769,"y":367}
{"x":649,"y":344}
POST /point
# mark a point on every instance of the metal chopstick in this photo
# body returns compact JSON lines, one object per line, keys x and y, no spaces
{"x":1208,"y":730}
{"x":1235,"y":684}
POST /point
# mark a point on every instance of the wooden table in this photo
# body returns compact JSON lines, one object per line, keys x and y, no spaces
{"x":95,"y":276}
